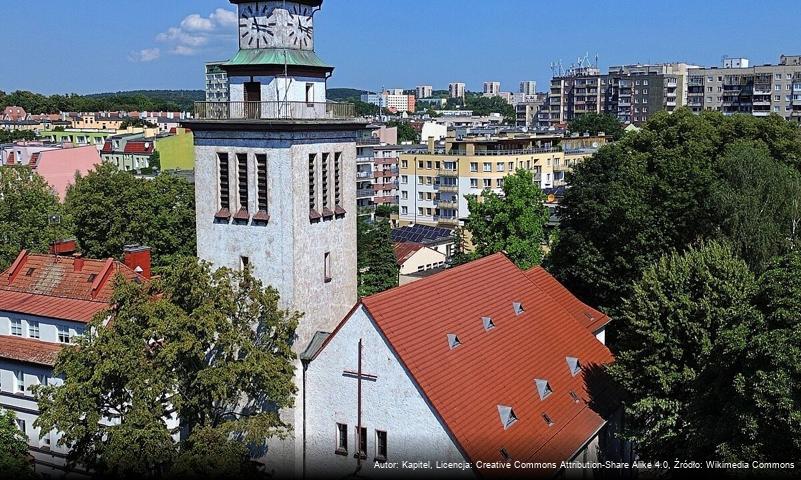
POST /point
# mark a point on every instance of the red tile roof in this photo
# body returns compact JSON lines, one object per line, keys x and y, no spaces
{"x":107,"y":148}
{"x":467,"y":384}
{"x":589,"y":317}
{"x":139,"y":148}
{"x":55,"y":287}
{"x":405,"y":250}
{"x":29,"y":350}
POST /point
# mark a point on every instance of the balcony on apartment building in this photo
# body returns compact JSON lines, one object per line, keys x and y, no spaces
{"x":448,"y":172}
{"x":448,"y":204}
{"x":449,"y":188}
{"x":364,"y":193}
{"x":274,"y":111}
{"x":447,"y":221}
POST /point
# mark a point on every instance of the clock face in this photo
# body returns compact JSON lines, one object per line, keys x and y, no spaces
{"x":276,"y":24}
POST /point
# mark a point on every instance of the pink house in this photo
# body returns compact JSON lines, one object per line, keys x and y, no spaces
{"x":58,"y":167}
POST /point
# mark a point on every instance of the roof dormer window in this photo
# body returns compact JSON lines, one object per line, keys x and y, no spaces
{"x":453,"y":341}
{"x":543,"y":388}
{"x":508,"y":416}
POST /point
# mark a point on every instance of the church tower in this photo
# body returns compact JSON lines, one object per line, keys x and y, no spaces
{"x":274,"y":174}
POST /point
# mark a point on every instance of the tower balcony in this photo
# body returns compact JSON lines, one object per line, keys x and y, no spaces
{"x":274,"y":111}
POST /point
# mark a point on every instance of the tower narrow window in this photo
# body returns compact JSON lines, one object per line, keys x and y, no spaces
{"x":338,"y":179}
{"x":224,"y":181}
{"x":242,"y":180}
{"x":313,"y":183}
{"x":261,"y":181}
{"x":326,"y":190}
{"x":327,"y":267}
{"x":309,"y":93}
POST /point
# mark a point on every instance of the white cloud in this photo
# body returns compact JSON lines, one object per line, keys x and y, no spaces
{"x":192,"y":35}
{"x":145,"y":55}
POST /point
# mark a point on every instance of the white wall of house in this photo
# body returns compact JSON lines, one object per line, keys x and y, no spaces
{"x":423,"y":260}
{"x":392,"y":404}
{"x":48,"y":327}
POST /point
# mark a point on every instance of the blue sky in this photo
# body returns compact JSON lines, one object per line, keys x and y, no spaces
{"x":108,"y":45}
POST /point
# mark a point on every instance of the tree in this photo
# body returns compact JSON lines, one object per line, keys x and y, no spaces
{"x":481,"y":105}
{"x":364,"y":109}
{"x":27,"y":208}
{"x":136,"y":122}
{"x":406,"y":133}
{"x":14,"y":457}
{"x":378,"y":267}
{"x":594,"y":123}
{"x":385,"y":210}
{"x":459,"y":254}
{"x":211,"y":348}
{"x":513,"y":222}
{"x":666,"y":187}
{"x":9,"y":136}
{"x":112,"y":209}
{"x":687,"y":321}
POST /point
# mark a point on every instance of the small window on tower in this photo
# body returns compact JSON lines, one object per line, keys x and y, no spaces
{"x":309,"y":93}
{"x":338,"y":179}
{"x":244,"y":263}
{"x":242,"y":180}
{"x":224,"y":184}
{"x":261,"y":182}
{"x":380,"y":446}
{"x":327,"y":266}
{"x":326,"y":190}
{"x":342,"y":439}
{"x":313,"y":183}
{"x":361,"y":442}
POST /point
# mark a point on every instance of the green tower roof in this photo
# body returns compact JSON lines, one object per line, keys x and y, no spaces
{"x":277,"y":56}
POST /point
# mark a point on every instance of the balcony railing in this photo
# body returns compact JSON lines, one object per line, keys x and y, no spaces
{"x":449,"y":188}
{"x":273,"y":111}
{"x":447,"y":172}
{"x":447,"y":204}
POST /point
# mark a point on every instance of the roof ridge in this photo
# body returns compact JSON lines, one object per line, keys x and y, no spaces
{"x":62,"y":297}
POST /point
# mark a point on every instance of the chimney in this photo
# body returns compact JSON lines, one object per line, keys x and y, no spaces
{"x":78,"y":262}
{"x":137,"y":258}
{"x":64,"y":247}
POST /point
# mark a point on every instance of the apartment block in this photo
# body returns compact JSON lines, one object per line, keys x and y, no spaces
{"x":434,"y":182}
{"x":456,"y":90}
{"x":392,"y":99}
{"x":216,"y":83}
{"x":737,"y":87}
{"x":376,"y":174}
{"x":425,"y":91}
{"x":631,"y":92}
{"x":528,"y":87}
{"x":492,"y":88}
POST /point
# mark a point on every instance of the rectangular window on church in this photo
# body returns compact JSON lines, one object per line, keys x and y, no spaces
{"x":242,"y":179}
{"x":309,"y":93}
{"x":225,"y":194}
{"x":327,"y":267}
{"x":361,"y":442}
{"x":338,"y":179}
{"x":261,"y":181}
{"x":326,"y":171}
{"x":342,"y":439}
{"x":313,"y":182}
{"x":380,"y":446}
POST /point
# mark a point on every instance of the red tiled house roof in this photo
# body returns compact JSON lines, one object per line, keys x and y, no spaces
{"x":139,"y":148}
{"x":29,"y":350}
{"x":467,"y":384}
{"x":587,"y":316}
{"x":405,"y":250}
{"x":60,"y":287}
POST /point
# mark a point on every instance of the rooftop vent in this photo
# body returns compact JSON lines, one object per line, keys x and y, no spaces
{"x":574,"y":365}
{"x":92,"y":278}
{"x":575,"y":396}
{"x":453,"y":341}
{"x":30,"y":272}
{"x":547,"y":419}
{"x":518,"y":308}
{"x":505,"y":454}
{"x":543,"y":388}
{"x":488,"y":323}
{"x":508,"y":417}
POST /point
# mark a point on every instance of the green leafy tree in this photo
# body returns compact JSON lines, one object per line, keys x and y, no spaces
{"x":668,"y":186}
{"x":386,"y":211}
{"x":513,"y":222}
{"x":366,"y":109}
{"x":27,"y":205}
{"x":112,"y":209}
{"x":594,"y":123}
{"x":686,"y":323}
{"x":481,"y":105}
{"x":459,"y":253}
{"x":378,"y":267}
{"x":406,"y":133}
{"x":15,"y":461}
{"x":9,"y":136}
{"x":212,"y":348}
{"x":136,"y":122}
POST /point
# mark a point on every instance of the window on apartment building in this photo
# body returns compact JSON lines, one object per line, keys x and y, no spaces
{"x":242,"y":179}
{"x":487,"y":167}
{"x":405,"y":210}
{"x":16,"y":327}
{"x":19,"y":382}
{"x":429,"y":180}
{"x":788,"y":87}
{"x":420,"y":180}
{"x":42,"y":379}
{"x":777,"y":98}
{"x":342,"y":439}
{"x":420,"y":164}
{"x":500,"y":167}
{"x":777,"y":76}
{"x":404,"y":195}
{"x":326,"y":172}
{"x":487,"y":183}
{"x":404,"y":180}
{"x":21,"y":425}
{"x":429,"y":165}
{"x":361,"y":442}
{"x":778,"y":88}
{"x":327,"y":267}
{"x":473,"y":166}
{"x":421,"y":211}
{"x":313,"y":182}
{"x":33,"y":329}
{"x":708,"y":89}
{"x":511,"y":166}
{"x":261,"y":182}
{"x":404,"y":164}
{"x":64,"y":335}
{"x":473,"y":183}
{"x":380,"y":446}
{"x":224,"y":181}
{"x":420,"y":196}
{"x":499,"y":183}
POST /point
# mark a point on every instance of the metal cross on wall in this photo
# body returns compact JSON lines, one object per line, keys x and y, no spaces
{"x":360,"y":376}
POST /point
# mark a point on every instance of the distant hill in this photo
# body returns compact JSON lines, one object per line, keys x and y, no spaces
{"x":345,"y":94}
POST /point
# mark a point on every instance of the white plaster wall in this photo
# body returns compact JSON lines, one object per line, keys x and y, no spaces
{"x":392,"y":404}
{"x":48,"y":327}
{"x":274,"y":89}
{"x":422,"y":258}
